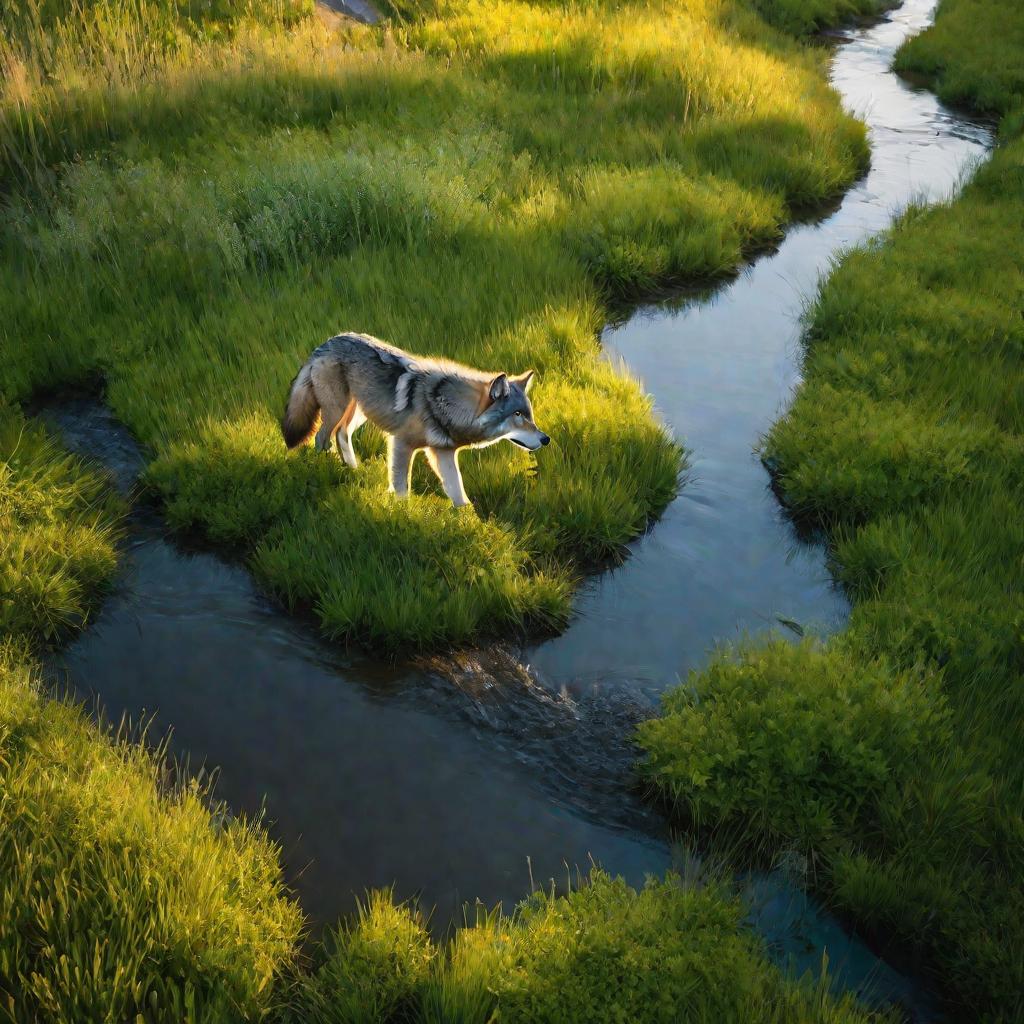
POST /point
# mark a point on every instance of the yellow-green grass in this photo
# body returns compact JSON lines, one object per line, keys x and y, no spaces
{"x":892,"y":755}
{"x":57,"y":534}
{"x":240,"y":191}
{"x":602,"y":954}
{"x":478,"y":182}
{"x":121,"y":899}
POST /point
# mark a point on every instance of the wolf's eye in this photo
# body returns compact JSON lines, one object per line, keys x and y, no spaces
{"x":519,"y":415}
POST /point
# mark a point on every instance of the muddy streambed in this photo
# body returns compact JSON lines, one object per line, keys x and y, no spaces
{"x":464,"y":778}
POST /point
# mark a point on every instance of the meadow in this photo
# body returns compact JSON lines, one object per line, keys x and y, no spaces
{"x":196,"y":194}
{"x":191,"y":211}
{"x":889,"y":757}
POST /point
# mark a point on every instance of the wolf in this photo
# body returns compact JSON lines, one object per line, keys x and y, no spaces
{"x":421,"y":404}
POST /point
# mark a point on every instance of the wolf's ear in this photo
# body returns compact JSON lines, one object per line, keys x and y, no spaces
{"x":499,"y":387}
{"x":524,"y":380}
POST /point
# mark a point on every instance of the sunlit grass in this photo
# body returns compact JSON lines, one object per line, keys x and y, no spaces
{"x":58,"y":528}
{"x":119,"y":894}
{"x":117,"y":897}
{"x":195,"y":195}
{"x":603,"y":953}
{"x":478,"y":182}
{"x":894,"y":754}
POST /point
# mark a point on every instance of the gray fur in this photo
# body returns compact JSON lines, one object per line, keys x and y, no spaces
{"x":419,"y":403}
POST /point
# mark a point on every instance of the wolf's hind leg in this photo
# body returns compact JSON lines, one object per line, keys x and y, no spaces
{"x":400,"y":456}
{"x":332,"y":392}
{"x":330,"y":420}
{"x":351,"y":421}
{"x":445,"y":463}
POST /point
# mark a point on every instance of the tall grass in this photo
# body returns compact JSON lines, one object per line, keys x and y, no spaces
{"x":893,"y":756}
{"x":58,"y":527}
{"x":127,"y":894}
{"x":119,"y":899}
{"x":194,"y":195}
{"x":478,"y":182}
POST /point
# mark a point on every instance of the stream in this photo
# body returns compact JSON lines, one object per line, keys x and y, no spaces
{"x":470,"y":776}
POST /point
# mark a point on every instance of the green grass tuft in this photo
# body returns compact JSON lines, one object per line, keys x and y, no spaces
{"x":971,"y":55}
{"x":57,"y":534}
{"x":121,"y":900}
{"x":604,"y":953}
{"x":802,"y":745}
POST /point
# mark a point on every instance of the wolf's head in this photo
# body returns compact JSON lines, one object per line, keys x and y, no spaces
{"x":509,"y":414}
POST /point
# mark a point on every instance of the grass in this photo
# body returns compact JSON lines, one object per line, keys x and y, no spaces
{"x":971,"y":56}
{"x":120,"y":895}
{"x":891,"y":755}
{"x":804,"y":16}
{"x":602,"y":954}
{"x":57,"y":534}
{"x":479,"y":180}
{"x":127,"y":893}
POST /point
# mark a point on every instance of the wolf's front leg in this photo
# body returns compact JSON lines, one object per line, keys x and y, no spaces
{"x":400,"y":456}
{"x":445,"y":463}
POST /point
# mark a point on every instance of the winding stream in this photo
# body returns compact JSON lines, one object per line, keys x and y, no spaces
{"x":443,"y":778}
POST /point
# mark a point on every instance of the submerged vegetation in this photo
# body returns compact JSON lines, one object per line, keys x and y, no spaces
{"x":892,"y":755}
{"x":190,"y":213}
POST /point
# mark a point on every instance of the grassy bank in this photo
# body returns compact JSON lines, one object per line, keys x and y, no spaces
{"x":119,"y":894}
{"x":125,"y":894}
{"x":192,"y":211}
{"x":600,"y":955}
{"x":892,"y":755}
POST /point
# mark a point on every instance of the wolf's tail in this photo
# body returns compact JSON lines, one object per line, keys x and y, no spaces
{"x":300,"y":414}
